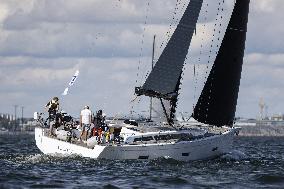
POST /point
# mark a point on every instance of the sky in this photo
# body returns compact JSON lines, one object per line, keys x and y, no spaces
{"x":43,"y":43}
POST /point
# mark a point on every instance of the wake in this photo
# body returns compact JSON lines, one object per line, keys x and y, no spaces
{"x":235,"y":155}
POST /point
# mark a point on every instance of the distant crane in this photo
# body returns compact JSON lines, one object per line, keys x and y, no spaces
{"x":266,"y":111}
{"x":262,"y":106}
{"x":15,"y":126}
{"x":22,"y":121}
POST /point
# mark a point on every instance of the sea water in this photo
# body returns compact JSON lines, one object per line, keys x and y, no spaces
{"x":256,"y":162}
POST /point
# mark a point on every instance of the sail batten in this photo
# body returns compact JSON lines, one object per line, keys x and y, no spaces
{"x":217,"y":102}
{"x":163,"y":79}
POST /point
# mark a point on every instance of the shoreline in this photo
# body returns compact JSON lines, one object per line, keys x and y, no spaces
{"x":17,"y":133}
{"x":262,"y":130}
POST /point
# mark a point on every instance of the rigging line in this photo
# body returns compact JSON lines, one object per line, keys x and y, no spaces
{"x":142,"y":45}
{"x":196,"y":75}
{"x":170,"y":27}
{"x":116,"y":7}
{"x":186,"y":58}
{"x":140,"y":56}
{"x":145,"y":71}
{"x":166,"y":114}
{"x":212,"y":40}
{"x":199,"y":59}
{"x":218,"y":23}
{"x":176,"y":19}
{"x":138,"y":102}
{"x":182,"y":10}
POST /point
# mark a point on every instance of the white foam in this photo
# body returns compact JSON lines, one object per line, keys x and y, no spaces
{"x":235,"y":155}
{"x":40,"y":158}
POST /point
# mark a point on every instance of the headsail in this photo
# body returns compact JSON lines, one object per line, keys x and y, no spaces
{"x":218,"y":100}
{"x":164,"y":78}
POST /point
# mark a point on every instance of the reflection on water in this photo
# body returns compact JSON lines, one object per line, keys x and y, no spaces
{"x":255,"y":163}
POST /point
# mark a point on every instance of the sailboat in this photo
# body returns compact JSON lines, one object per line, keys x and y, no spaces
{"x":213,"y":133}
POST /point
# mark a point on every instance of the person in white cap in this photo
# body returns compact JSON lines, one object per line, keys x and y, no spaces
{"x":85,"y":121}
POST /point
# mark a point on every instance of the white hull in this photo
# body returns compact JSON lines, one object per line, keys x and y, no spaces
{"x":204,"y":148}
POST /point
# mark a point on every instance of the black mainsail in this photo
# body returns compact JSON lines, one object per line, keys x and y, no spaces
{"x":218,"y":100}
{"x":164,"y":80}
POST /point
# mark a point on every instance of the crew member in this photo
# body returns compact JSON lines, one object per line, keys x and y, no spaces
{"x":52,"y":108}
{"x":85,"y":121}
{"x":100,"y":132}
{"x":98,"y":119}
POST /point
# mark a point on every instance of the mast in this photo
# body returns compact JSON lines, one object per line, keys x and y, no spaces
{"x":163,"y":82}
{"x":153,"y":59}
{"x":217,"y":102}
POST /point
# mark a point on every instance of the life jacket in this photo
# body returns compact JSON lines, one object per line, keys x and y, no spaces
{"x":52,"y":107}
{"x":107,"y":136}
{"x":100,"y":131}
{"x":95,"y":132}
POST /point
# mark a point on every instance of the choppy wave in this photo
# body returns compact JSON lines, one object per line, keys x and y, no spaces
{"x":235,"y":155}
{"x":256,"y":162}
{"x":271,"y":179}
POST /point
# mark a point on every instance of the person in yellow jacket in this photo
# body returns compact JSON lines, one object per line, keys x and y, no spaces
{"x":107,"y":136}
